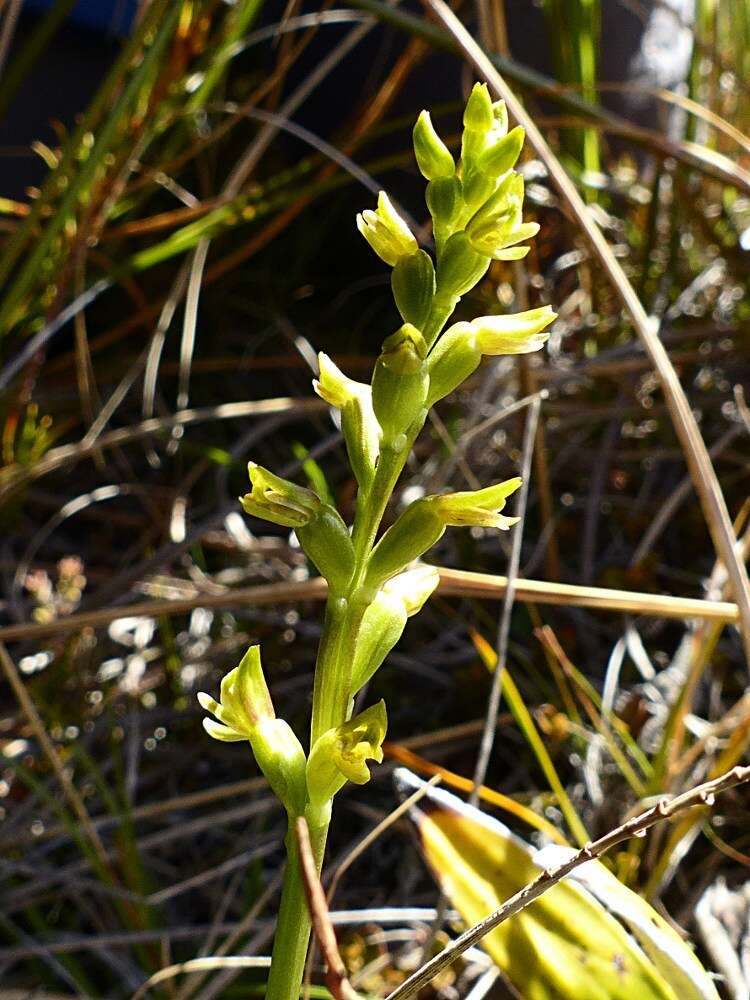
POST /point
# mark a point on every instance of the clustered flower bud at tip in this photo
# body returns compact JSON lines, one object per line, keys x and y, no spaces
{"x":433,"y":156}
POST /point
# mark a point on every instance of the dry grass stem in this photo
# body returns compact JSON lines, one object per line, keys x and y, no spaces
{"x":665,"y":808}
{"x":696,"y":455}
{"x":453,"y":583}
{"x":336,"y":977}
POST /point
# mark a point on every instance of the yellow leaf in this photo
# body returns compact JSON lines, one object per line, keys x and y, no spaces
{"x":564,"y":945}
{"x":672,"y":956}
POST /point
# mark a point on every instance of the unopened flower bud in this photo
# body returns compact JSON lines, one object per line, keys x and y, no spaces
{"x":358,"y":422}
{"x":385,"y":619}
{"x":399,"y":383}
{"x":517,"y":253}
{"x":278,"y":500}
{"x":499,"y":243}
{"x":502,"y":155}
{"x":341,"y":755}
{"x":245,"y":712}
{"x":433,"y":156}
{"x":452,"y":360}
{"x":413,"y":284}
{"x":479,"y":114}
{"x":460,"y":267}
{"x":319,"y":527}
{"x":518,"y":333}
{"x":386,"y":232}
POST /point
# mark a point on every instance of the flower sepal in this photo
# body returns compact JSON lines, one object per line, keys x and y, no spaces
{"x":502,"y":155}
{"x":245,"y":712}
{"x":341,"y":754}
{"x":477,"y":508}
{"x":359,"y":424}
{"x":514,"y":333}
{"x":278,"y":500}
{"x":386,"y":232}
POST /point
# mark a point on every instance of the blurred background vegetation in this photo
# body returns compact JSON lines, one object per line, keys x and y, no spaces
{"x":178,"y":186}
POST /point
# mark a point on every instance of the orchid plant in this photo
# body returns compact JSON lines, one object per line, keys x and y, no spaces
{"x":375,"y":582}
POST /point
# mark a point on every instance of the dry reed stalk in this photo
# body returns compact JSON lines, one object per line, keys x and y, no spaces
{"x":686,"y":427}
{"x":453,"y":583}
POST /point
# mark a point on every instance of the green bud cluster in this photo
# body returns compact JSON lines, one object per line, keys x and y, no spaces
{"x":476,"y":205}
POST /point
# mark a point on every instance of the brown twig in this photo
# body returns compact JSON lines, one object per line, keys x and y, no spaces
{"x":686,"y":427}
{"x":336,"y":978}
{"x":665,"y":808}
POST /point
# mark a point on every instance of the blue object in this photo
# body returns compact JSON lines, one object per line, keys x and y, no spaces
{"x":111,"y":17}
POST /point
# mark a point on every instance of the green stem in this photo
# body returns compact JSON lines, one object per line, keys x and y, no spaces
{"x":370,"y":513}
{"x":343,"y":617}
{"x":330,"y":695}
{"x":293,"y":923}
{"x":331,"y":698}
